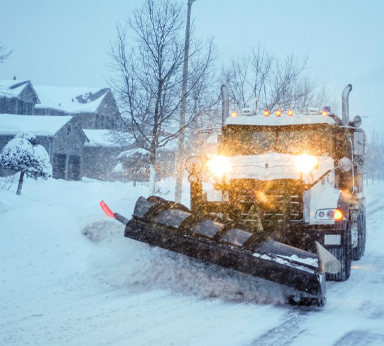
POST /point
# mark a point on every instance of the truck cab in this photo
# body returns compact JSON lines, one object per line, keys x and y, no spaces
{"x":295,"y":177}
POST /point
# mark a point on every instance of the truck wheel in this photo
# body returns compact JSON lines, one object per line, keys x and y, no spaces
{"x":358,"y":251}
{"x":364,"y":234}
{"x":344,"y":255}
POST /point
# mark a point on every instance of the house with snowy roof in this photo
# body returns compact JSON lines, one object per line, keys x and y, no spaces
{"x":96,"y":111}
{"x":62,"y":137}
{"x":17,"y":97}
{"x":93,"y":108}
{"x":100,"y":155}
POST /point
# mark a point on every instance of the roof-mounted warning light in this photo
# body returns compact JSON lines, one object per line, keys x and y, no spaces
{"x":234,"y":114}
{"x":290,"y":112}
{"x":326,"y":111}
{"x":278,"y":113}
{"x":266,"y":113}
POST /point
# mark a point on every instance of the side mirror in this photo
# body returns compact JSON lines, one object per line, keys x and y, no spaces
{"x":194,"y":165}
{"x":345,"y":164}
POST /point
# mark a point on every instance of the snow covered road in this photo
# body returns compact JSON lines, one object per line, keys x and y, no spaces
{"x":69,"y":277}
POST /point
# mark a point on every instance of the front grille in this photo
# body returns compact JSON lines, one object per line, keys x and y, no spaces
{"x":278,"y":203}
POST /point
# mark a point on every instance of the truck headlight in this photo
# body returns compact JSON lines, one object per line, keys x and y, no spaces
{"x":306,"y":163}
{"x":219,"y":165}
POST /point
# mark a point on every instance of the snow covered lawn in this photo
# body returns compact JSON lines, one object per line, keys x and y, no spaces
{"x":69,"y":277}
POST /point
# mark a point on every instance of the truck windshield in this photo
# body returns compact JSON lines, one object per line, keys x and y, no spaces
{"x":312,"y":141}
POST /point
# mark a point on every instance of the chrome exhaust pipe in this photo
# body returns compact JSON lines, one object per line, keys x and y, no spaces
{"x":224,"y":104}
{"x":345,"y":104}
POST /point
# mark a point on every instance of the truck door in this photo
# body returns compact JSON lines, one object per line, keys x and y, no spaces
{"x":343,"y":148}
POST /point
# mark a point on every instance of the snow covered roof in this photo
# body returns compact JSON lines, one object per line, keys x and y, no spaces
{"x":12,"y":88}
{"x":127,"y":153}
{"x":260,"y":120}
{"x":71,"y":99}
{"x":100,"y":138}
{"x":11,"y":124}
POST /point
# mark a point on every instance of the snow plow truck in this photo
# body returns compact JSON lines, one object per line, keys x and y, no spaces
{"x":287,"y":204}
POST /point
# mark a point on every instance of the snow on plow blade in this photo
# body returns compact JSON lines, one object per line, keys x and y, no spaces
{"x":172,"y":226}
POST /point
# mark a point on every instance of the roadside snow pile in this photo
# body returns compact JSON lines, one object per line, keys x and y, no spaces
{"x":132,"y":265}
{"x":128,"y":264}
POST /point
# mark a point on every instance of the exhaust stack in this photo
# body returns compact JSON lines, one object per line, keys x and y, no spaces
{"x":345,"y":104}
{"x":224,"y":104}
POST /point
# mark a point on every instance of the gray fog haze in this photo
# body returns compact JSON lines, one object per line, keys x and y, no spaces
{"x":66,"y":43}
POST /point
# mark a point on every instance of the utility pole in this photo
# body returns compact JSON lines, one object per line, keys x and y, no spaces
{"x":180,"y":156}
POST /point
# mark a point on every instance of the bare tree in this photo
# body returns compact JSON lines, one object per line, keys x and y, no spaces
{"x":4,"y":53}
{"x":148,"y":76}
{"x":261,"y":81}
{"x":374,"y":159}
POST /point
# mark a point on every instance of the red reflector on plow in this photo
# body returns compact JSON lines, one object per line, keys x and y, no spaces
{"x":106,"y":210}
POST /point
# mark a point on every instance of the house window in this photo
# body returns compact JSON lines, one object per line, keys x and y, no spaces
{"x":21,"y":107}
{"x":29,"y":108}
{"x":3,"y":105}
{"x":68,"y":130}
{"x":59,"y":170}
{"x":74,"y":167}
{"x":12,"y":106}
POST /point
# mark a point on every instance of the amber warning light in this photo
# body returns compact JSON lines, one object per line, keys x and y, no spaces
{"x":290,"y":113}
{"x":338,"y":215}
{"x":278,"y":113}
{"x":266,"y":113}
{"x":234,"y":114}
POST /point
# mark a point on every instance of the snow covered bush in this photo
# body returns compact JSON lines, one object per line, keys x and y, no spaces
{"x":134,"y":164}
{"x":23,"y":155}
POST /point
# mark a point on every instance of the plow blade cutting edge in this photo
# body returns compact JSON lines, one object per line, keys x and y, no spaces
{"x":172,"y":226}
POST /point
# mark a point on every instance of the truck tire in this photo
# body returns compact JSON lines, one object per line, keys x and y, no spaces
{"x":364,"y":234}
{"x":358,"y":251}
{"x":344,"y":255}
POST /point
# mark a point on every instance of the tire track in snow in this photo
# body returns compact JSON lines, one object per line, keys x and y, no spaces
{"x":361,"y":337}
{"x":286,"y":332}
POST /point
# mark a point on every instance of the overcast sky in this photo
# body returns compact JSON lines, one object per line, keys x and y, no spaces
{"x":66,"y":42}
